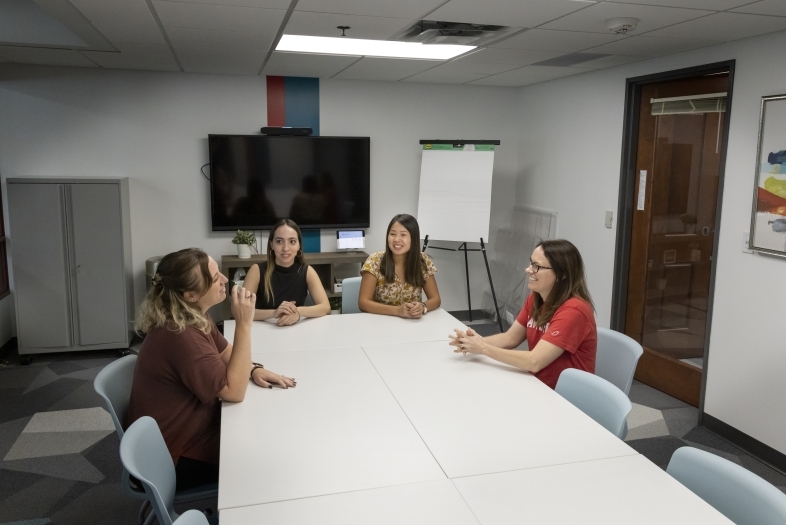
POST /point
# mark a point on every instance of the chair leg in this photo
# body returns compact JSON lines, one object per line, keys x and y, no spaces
{"x":151,"y":518}
{"x":140,"y":520}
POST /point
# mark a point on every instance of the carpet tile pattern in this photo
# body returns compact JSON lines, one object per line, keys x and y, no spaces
{"x":59,"y":458}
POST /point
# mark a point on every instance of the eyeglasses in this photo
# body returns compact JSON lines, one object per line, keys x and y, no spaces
{"x":538,"y":267}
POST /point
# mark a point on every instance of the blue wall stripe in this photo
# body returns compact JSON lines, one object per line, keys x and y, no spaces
{"x":301,"y":102}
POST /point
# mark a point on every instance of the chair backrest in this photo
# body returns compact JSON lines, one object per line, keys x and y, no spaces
{"x":596,"y":397}
{"x":191,"y":517}
{"x":737,"y":493}
{"x":113,"y":383}
{"x":350,"y":289}
{"x":144,"y":454}
{"x":617,"y":358}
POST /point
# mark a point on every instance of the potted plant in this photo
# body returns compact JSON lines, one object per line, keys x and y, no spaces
{"x":244,"y":241}
{"x":335,"y":305}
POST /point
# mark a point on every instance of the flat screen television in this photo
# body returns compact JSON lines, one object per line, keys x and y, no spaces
{"x":318,"y":182}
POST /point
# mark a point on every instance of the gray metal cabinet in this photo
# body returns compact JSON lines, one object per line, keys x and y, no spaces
{"x":72,"y":263}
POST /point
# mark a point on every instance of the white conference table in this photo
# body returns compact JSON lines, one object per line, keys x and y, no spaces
{"x":385,"y":428}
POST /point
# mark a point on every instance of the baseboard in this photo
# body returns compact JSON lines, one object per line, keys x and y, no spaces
{"x":754,"y":447}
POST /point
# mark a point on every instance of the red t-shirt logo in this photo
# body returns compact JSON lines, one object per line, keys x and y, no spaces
{"x":555,"y":333}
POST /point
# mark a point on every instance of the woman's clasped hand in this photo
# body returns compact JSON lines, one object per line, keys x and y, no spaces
{"x":466,"y":342}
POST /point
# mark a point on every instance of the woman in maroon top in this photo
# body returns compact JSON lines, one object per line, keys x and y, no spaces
{"x":557,"y":320}
{"x":185,"y":366}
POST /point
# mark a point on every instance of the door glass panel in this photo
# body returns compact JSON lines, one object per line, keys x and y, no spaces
{"x":684,"y":191}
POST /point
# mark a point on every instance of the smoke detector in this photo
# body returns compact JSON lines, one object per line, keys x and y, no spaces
{"x":622,"y":25}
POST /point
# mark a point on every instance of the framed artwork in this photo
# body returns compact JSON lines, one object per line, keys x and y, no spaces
{"x":768,"y":217}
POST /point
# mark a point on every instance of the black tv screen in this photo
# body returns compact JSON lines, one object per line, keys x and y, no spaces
{"x":318,"y":182}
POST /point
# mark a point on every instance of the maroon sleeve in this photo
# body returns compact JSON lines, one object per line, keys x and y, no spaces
{"x":569,"y":327}
{"x":202,"y":371}
{"x":523,"y":317}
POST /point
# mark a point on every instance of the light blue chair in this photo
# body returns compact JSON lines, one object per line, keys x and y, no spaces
{"x":144,"y":454}
{"x":350,"y":289}
{"x":737,"y":493}
{"x":113,"y":384}
{"x":617,"y":358}
{"x":191,"y":517}
{"x":596,"y":397}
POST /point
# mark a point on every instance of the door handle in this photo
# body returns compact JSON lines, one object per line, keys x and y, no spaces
{"x":705,"y":231}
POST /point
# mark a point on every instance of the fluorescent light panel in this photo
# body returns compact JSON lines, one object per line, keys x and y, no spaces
{"x":370,"y":48}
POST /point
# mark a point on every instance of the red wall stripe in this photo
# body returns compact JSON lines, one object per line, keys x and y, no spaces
{"x":275,"y":101}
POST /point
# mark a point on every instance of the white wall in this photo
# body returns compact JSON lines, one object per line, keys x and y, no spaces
{"x":153,"y":127}
{"x":569,"y":161}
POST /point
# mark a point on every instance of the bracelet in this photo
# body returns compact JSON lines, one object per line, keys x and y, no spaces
{"x":425,"y":308}
{"x":256,"y":365}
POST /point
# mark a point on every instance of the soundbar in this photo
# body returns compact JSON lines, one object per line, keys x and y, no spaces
{"x":280,"y":131}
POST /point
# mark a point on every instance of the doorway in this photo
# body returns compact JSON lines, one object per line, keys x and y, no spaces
{"x":676,"y":128}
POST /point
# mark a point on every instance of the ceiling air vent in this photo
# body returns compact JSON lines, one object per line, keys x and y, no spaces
{"x":432,"y":32}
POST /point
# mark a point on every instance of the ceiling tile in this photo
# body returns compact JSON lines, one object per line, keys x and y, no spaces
{"x":304,"y":65}
{"x":393,"y":64}
{"x":410,"y":9}
{"x":389,"y":75}
{"x":262,"y":4}
{"x":221,"y":61}
{"x":219,"y":17}
{"x":562,"y":41}
{"x":24,"y":22}
{"x":147,"y":57}
{"x":43,"y":56}
{"x":527,"y":75}
{"x":649,"y":46}
{"x":520,"y":57}
{"x":725,"y":26}
{"x":444,"y":77}
{"x":121,"y":20}
{"x":183,"y":38}
{"x":462,"y":66}
{"x":713,"y":5}
{"x":515,"y":13}
{"x":609,"y":61}
{"x":593,"y":18}
{"x":325,"y":24}
{"x":765,"y":7}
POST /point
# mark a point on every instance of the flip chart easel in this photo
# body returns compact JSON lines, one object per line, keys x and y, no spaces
{"x":455,"y":198}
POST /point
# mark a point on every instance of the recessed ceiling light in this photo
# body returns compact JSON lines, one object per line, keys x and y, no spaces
{"x":372,"y":48}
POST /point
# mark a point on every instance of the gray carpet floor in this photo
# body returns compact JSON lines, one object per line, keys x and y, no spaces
{"x":59,"y":452}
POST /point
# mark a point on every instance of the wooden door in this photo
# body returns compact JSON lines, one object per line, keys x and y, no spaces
{"x":678,"y":169}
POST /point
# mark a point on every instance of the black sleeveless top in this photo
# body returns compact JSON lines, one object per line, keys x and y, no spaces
{"x":289,"y":284}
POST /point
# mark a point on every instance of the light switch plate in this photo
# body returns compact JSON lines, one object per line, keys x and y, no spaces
{"x":609,"y":218}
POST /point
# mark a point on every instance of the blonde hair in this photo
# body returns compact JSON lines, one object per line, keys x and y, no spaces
{"x":271,"y":256}
{"x":178,"y":272}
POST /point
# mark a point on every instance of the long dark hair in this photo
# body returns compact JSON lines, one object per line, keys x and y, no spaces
{"x":413,"y":264}
{"x":178,"y":272}
{"x":568,"y":267}
{"x":271,"y":256}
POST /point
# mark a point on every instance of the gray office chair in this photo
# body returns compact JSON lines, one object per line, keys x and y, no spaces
{"x":113,"y":384}
{"x":191,"y":517}
{"x":596,"y":397}
{"x":735,"y":492}
{"x":350,"y":289}
{"x":617,"y":358}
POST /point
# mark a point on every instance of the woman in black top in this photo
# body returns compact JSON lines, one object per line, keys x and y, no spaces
{"x":287,"y":281}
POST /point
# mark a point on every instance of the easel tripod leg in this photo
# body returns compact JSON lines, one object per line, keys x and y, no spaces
{"x":466,"y":269}
{"x":491,"y":283}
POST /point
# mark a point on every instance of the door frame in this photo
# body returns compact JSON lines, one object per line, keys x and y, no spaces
{"x":625,"y":206}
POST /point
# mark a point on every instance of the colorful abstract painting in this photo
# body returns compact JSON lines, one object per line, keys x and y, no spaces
{"x":768,"y":221}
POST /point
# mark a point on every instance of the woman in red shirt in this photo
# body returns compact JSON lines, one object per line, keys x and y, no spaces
{"x":557,"y":320}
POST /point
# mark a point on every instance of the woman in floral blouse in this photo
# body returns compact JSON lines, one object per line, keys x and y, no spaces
{"x":393,"y":281}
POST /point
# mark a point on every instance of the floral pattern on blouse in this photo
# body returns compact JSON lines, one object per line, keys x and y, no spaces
{"x":398,"y":292}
